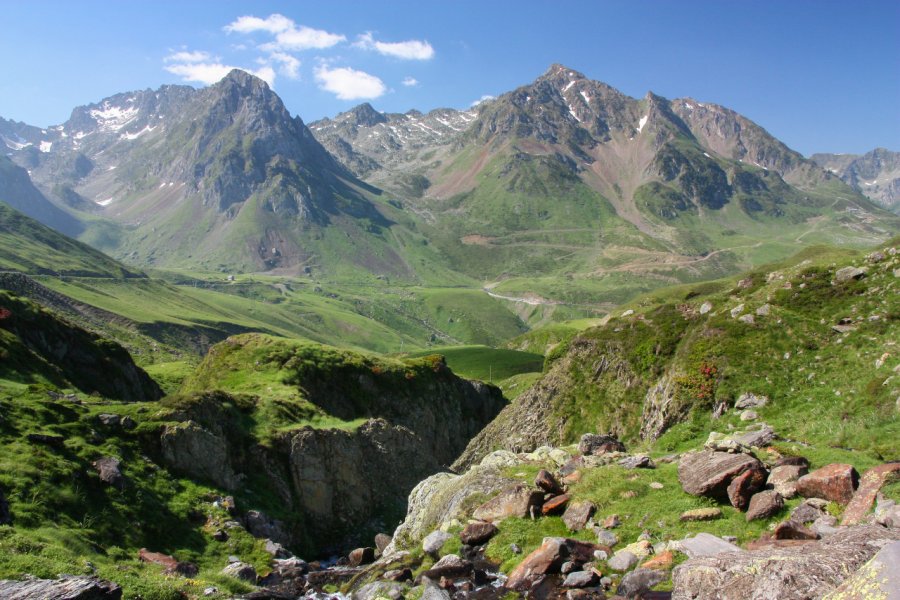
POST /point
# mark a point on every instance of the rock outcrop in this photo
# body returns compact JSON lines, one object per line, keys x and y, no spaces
{"x":806,"y":572}
{"x":66,"y":588}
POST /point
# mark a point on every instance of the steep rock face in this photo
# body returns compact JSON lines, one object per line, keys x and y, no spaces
{"x":36,"y":343}
{"x":17,"y":190}
{"x":875,"y":174}
{"x":402,"y":423}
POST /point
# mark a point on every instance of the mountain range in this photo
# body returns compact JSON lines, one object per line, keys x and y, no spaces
{"x":875,"y":174}
{"x":564,"y":191}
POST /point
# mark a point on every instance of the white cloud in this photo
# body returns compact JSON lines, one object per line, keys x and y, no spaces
{"x":408,"y":50}
{"x":203,"y":68}
{"x":189,"y":57}
{"x":410,"y":82}
{"x":349,"y":84}
{"x":485,"y":98}
{"x":304,"y":38}
{"x":288,"y":65}
{"x":288,"y":35}
{"x":274,"y":23}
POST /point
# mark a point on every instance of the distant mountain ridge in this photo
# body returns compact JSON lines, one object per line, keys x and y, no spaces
{"x":875,"y":174}
{"x":564,"y":179}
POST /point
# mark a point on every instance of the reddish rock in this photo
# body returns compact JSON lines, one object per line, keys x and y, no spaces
{"x":158,"y":558}
{"x":548,"y":558}
{"x":764,"y":504}
{"x":476,"y":534}
{"x":578,"y":514}
{"x":515,"y":501}
{"x":834,"y":482}
{"x":547,"y":482}
{"x":555,"y":505}
{"x":361,"y":556}
{"x":662,"y":561}
{"x":742,"y":487}
{"x":792,"y":530}
{"x":869,"y":485}
{"x":611,"y":522}
{"x":794,"y":461}
{"x":708,"y":473}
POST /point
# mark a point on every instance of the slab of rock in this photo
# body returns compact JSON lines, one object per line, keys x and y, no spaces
{"x":783,"y":479}
{"x":877,"y":579}
{"x":611,"y":522}
{"x":708,"y":473}
{"x":869,"y":485}
{"x":68,"y":587}
{"x":449,"y":566}
{"x":623,"y":560}
{"x":555,"y":505}
{"x":548,"y":558}
{"x":434,"y":541}
{"x":476,"y":534}
{"x":637,"y":583}
{"x":744,"y":486}
{"x":835,"y":482}
{"x":704,"y":545}
{"x":804,"y":572}
{"x":578,"y":514}
{"x":361,"y":556}
{"x":849,"y":274}
{"x":764,"y":505}
{"x":547,"y":482}
{"x":798,"y":461}
{"x":638,"y":461}
{"x":580,"y":579}
{"x":592,"y":443}
{"x":701,"y":514}
{"x":515,"y":501}
{"x":760,"y":437}
{"x":398,"y":574}
{"x":241,"y":570}
{"x":750,"y":400}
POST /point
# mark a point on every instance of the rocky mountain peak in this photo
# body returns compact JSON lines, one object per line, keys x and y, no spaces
{"x":366,"y":116}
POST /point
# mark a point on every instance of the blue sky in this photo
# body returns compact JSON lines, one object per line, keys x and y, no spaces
{"x":820,"y":75}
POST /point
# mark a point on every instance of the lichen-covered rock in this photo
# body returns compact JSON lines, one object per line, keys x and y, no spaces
{"x":806,"y":572}
{"x":705,"y":544}
{"x":68,"y":587}
{"x":878,"y":579}
{"x":439,"y":498}
{"x":241,"y":570}
{"x":515,"y":501}
{"x":434,"y":541}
